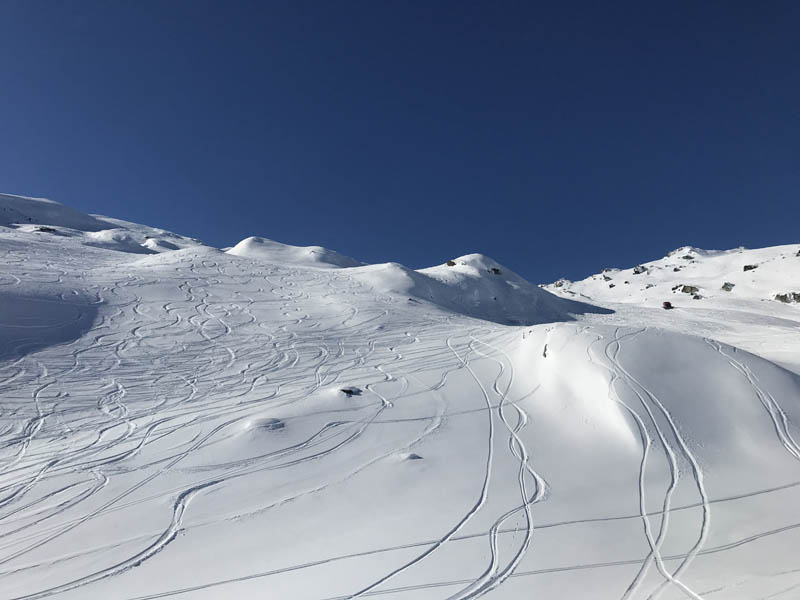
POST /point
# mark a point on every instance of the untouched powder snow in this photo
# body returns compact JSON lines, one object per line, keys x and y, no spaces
{"x":259,"y":248}
{"x":24,"y":210}
{"x":278,"y":422}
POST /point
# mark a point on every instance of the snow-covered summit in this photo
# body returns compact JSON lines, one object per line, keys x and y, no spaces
{"x":24,"y":210}
{"x":473,"y":285}
{"x":263,"y":249}
{"x":691,"y":275}
{"x":48,"y":219}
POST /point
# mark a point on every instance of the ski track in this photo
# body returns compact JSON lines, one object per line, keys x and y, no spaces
{"x":207,"y":390}
{"x":137,"y":416}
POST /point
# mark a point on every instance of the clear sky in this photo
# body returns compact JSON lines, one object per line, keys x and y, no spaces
{"x":558,"y":138}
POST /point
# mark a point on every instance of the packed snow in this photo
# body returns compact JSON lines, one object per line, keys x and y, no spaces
{"x":272,"y":421}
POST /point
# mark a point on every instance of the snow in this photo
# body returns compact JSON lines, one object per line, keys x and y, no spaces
{"x":179,"y":421}
{"x":259,"y":248}
{"x":474,"y":285}
{"x":746,"y":315}
{"x":23,"y":210}
{"x":776,"y":270}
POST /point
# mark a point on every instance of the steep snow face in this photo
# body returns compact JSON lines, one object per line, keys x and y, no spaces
{"x":265,"y":250}
{"x":193,"y":424}
{"x":473,"y":285}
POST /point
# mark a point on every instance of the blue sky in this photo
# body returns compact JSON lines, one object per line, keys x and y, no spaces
{"x":558,"y":140}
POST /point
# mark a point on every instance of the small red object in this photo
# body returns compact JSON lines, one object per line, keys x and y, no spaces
{"x":667,"y":305}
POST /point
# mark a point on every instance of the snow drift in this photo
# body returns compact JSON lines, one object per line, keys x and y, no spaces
{"x":473,"y":285}
{"x":259,"y":248}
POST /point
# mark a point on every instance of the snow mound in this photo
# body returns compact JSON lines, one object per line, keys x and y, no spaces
{"x":476,"y":286}
{"x":40,"y":211}
{"x":159,"y":245}
{"x":116,"y":239}
{"x":266,"y":250}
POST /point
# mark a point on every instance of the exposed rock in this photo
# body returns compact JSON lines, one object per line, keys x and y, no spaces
{"x":750,"y":267}
{"x":638,"y":270}
{"x":649,"y":285}
{"x":45,"y":229}
{"x":606,"y":278}
{"x":686,"y":289}
{"x":676,"y":269}
{"x":611,"y":285}
{"x":451,"y":263}
{"x":788,"y":297}
{"x":728,"y":286}
{"x":494,"y":271}
{"x":351,"y":391}
{"x":697,"y":297}
{"x":687,"y":257}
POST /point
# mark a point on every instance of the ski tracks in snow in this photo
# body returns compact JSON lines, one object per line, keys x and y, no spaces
{"x":672,"y":443}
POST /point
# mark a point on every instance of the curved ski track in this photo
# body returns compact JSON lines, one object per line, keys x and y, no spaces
{"x":214,"y":374}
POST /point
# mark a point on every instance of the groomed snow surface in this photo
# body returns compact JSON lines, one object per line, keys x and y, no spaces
{"x":282,"y":422}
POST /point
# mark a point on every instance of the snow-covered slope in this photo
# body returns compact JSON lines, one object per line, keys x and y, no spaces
{"x":202,"y":424}
{"x":475,"y":286}
{"x":693,"y":274}
{"x":49,"y":218}
{"x":23,"y":210}
{"x":750,"y":298}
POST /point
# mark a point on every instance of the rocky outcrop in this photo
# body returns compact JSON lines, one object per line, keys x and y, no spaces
{"x":788,"y":297}
{"x":686,"y":289}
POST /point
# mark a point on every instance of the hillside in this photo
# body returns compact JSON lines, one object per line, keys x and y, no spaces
{"x":728,"y":277}
{"x":274,"y":421}
{"x":748,"y":298}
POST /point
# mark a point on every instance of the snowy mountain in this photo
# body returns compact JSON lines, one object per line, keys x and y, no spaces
{"x":749,"y":298}
{"x":726,"y":277}
{"x":271,"y":421}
